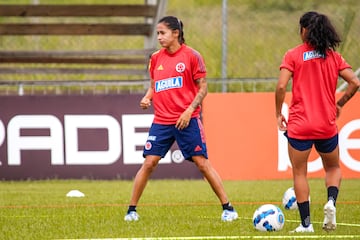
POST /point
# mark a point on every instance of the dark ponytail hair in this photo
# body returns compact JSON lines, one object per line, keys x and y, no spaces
{"x":321,"y":34}
{"x":174,"y":23}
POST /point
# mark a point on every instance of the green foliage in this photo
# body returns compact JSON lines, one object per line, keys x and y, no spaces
{"x":168,"y":208}
{"x":259,"y":32}
{"x":275,"y":5}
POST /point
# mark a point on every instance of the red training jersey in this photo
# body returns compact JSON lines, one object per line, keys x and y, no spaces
{"x":312,"y":112}
{"x":175,"y":88}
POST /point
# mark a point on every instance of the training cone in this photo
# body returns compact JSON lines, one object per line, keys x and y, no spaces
{"x":75,"y":193}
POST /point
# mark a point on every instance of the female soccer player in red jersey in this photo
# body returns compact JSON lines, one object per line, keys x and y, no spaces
{"x":314,"y":67}
{"x":177,"y":89}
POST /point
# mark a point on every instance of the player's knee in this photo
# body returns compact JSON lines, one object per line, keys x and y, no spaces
{"x":149,"y":165}
{"x":203,"y":166}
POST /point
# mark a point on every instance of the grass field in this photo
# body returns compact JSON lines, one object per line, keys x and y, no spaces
{"x":169,"y":209}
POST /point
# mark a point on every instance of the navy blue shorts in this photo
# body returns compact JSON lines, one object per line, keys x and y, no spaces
{"x":191,"y":140}
{"x":321,"y":145}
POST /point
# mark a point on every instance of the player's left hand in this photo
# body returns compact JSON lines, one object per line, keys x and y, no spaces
{"x":183,"y":120}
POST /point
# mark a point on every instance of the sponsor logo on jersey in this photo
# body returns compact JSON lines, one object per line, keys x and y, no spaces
{"x":312,"y":55}
{"x":169,"y":83}
{"x":180,"y":67}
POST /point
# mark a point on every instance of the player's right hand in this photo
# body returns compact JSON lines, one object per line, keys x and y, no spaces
{"x":282,"y":123}
{"x":145,"y":103}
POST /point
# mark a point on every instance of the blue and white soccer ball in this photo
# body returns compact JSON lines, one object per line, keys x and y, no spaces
{"x":268,"y":217}
{"x":289,"y":199}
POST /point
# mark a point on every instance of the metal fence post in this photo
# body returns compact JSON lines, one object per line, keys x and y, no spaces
{"x":224,"y":46}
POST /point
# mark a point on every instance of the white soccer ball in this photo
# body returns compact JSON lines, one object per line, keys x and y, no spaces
{"x":289,"y":199}
{"x":268,"y":217}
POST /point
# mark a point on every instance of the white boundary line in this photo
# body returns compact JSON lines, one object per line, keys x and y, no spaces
{"x":290,"y":236}
{"x":235,"y":237}
{"x":338,"y":224}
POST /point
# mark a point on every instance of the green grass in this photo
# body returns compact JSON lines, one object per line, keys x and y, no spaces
{"x":168,"y":208}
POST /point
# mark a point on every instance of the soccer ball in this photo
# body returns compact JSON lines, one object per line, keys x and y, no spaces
{"x":289,"y":199}
{"x":268,"y":217}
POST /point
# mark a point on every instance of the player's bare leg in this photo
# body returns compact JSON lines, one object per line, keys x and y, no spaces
{"x":211,"y":175}
{"x":142,"y":176}
{"x":332,"y":168}
{"x":299,"y":168}
{"x":140,"y":181}
{"x":301,"y":186}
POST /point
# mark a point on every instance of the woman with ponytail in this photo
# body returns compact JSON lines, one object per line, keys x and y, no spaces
{"x":314,"y":67}
{"x":177,"y":89}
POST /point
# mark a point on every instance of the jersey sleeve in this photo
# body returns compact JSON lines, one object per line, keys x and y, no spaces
{"x":342,"y":64}
{"x":198,"y":65}
{"x":152,"y":64}
{"x":288,"y":62}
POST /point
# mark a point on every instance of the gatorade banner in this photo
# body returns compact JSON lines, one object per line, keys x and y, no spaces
{"x":102,"y":137}
{"x":93,"y":137}
{"x":244,"y":142}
